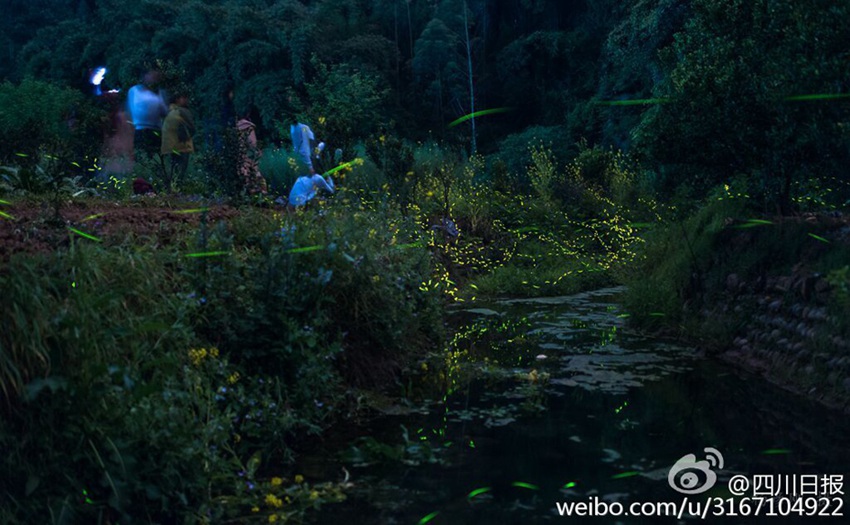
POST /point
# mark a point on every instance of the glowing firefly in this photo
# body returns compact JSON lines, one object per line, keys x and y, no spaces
{"x":625,"y":475}
{"x":524,"y":485}
{"x":479,"y":114}
{"x":341,"y":166}
{"x":206,"y":254}
{"x":306,"y":249}
{"x":775,"y":451}
{"x":478,"y":492}
{"x":825,"y":96}
{"x":818,"y":237}
{"x":84,"y":234}
{"x":429,"y":517}
{"x":193,"y":210}
{"x":633,"y":102}
{"x":6,"y":216}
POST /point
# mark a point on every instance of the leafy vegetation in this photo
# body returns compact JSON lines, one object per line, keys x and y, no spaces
{"x":170,"y":374}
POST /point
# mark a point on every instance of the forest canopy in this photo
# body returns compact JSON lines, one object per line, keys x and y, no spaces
{"x":724,"y":74}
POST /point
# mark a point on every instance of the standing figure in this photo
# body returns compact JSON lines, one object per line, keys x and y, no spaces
{"x":250,"y":154}
{"x":177,"y":132}
{"x":302,"y":136}
{"x":147,"y":109}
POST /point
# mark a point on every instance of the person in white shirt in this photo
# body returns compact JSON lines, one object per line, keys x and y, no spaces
{"x":306,"y":187}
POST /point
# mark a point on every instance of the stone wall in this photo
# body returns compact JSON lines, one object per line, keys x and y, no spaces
{"x":784,"y":330}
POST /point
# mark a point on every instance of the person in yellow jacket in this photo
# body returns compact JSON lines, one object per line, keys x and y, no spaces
{"x":177,"y":131}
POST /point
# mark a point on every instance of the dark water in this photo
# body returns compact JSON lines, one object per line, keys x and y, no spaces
{"x":605,"y":415}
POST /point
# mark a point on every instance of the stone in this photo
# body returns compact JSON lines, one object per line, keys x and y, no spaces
{"x":775,"y":305}
{"x":733,"y":282}
{"x":822,"y":286}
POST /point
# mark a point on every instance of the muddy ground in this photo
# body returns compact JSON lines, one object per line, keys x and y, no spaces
{"x":32,"y":227}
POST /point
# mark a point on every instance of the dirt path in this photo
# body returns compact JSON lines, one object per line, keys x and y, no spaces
{"x":30,"y":227}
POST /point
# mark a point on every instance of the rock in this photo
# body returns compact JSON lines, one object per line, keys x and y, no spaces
{"x":775,"y":305}
{"x":847,"y":384}
{"x":822,"y":286}
{"x":733,"y":282}
{"x":774,"y":335}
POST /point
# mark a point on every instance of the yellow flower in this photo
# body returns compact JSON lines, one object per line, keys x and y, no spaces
{"x":299,"y":478}
{"x":314,"y":494}
{"x":272,"y":518}
{"x":273,"y":501}
{"x":255,"y":509}
{"x":234,"y":377}
{"x":214,"y":352}
{"x":276,"y":481}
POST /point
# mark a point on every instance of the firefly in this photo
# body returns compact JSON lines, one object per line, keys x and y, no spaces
{"x":524,"y":485}
{"x":818,"y":237}
{"x":479,"y":114}
{"x":429,"y":517}
{"x":84,"y":234}
{"x":625,"y":475}
{"x":633,"y":102}
{"x":193,"y":210}
{"x":477,"y":492}
{"x":206,"y":254}
{"x":826,"y":96}
{"x":305,"y":249}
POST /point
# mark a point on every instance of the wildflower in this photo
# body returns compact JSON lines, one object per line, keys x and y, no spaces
{"x":314,"y":494}
{"x":272,"y":518}
{"x":276,"y":481}
{"x":234,"y":377}
{"x":255,"y":509}
{"x":273,"y":501}
{"x":299,"y":478}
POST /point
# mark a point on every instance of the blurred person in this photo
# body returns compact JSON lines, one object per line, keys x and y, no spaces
{"x":178,"y":130}
{"x":301,"y":136}
{"x":147,"y":109}
{"x":306,"y":187}
{"x":250,"y":153}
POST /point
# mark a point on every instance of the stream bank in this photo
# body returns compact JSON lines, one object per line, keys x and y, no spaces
{"x":546,"y":400}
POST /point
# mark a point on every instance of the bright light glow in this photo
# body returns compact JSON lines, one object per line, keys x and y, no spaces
{"x":97,"y":76}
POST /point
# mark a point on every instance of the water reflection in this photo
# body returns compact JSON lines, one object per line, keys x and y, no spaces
{"x":552,"y":400}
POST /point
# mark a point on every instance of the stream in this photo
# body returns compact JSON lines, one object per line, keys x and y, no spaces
{"x":544,"y":401}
